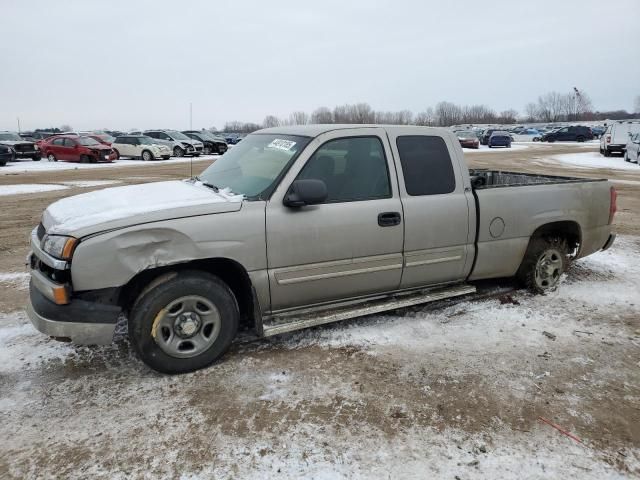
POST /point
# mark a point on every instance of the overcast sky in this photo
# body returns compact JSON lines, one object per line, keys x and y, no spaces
{"x":125,"y":64}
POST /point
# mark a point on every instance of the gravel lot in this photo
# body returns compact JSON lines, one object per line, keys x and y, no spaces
{"x":453,"y":390}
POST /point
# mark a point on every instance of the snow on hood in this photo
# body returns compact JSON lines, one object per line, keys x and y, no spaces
{"x":11,"y":143}
{"x":120,"y":207}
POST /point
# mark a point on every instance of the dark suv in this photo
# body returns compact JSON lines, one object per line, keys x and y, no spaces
{"x":212,"y":143}
{"x":568,"y":134}
{"x":22,"y":148}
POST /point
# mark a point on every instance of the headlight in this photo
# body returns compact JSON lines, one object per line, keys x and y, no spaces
{"x":59,"y":246}
{"x":36,"y":148}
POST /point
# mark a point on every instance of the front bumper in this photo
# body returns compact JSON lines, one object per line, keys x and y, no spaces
{"x":28,"y":154}
{"x":81,"y":322}
{"x":609,"y":242}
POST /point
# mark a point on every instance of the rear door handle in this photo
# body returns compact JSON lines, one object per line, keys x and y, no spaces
{"x":389,"y":219}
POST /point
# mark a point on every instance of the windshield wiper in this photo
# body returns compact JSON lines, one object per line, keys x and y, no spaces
{"x":207,"y":184}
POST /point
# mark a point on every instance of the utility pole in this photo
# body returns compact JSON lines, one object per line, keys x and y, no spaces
{"x":18,"y":118}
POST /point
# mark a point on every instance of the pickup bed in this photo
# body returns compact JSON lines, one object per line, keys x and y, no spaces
{"x":300,"y":226}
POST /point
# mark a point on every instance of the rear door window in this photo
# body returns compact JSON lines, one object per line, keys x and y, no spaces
{"x":69,"y":143}
{"x":426,"y":165}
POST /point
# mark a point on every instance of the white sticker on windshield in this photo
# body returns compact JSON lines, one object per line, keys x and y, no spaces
{"x":281,"y":144}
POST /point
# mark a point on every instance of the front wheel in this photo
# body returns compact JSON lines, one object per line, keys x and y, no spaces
{"x":52,"y":158}
{"x":607,"y":152}
{"x":147,"y":156}
{"x":36,"y":159}
{"x":178,"y":152}
{"x":626,"y":157}
{"x":544,"y":262}
{"x":185,"y":323}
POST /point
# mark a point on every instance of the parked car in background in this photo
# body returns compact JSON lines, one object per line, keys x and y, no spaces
{"x":598,"y":130}
{"x":499,"y":138}
{"x":572,"y":133}
{"x":140,"y":146}
{"x":616,"y":136}
{"x":38,"y":135}
{"x":179,"y":143}
{"x":212,"y":143}
{"x":468,"y":139}
{"x":486,"y":134}
{"x":632,"y":152}
{"x":72,"y":148}
{"x":6,"y":154}
{"x":22,"y":148}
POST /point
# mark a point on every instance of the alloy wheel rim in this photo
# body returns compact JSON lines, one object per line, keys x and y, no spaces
{"x":187,"y":326}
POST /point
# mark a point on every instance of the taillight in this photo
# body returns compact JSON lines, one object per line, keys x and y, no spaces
{"x":608,"y":139}
{"x":613,"y":205}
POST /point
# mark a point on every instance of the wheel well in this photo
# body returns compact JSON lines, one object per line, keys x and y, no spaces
{"x":568,"y":230}
{"x":229,"y":271}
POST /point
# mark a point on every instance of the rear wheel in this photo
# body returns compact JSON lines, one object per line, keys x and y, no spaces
{"x":184,"y":323}
{"x":544,"y":262}
{"x":36,"y":159}
{"x":117,"y":154}
{"x":580,"y":139}
{"x":207,"y":150}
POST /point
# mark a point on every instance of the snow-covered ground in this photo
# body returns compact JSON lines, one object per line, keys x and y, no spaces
{"x":44,"y":165}
{"x":595,"y":160}
{"x":29,"y":188}
{"x":422,"y":393}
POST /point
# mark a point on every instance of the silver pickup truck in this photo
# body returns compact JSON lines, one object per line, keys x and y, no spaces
{"x":301,"y":226}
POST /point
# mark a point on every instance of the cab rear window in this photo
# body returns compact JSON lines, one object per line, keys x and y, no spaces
{"x":426,"y":165}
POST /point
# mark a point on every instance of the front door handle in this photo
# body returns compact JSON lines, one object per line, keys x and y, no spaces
{"x":389,"y":219}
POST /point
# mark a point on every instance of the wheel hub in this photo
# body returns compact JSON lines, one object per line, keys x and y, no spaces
{"x":187,"y":324}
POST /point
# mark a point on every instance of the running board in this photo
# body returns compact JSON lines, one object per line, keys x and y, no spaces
{"x":288,"y":322}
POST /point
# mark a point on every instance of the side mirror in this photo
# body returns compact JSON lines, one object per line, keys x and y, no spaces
{"x":306,"y":192}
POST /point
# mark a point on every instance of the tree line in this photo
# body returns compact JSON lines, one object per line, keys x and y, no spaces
{"x":551,"y":107}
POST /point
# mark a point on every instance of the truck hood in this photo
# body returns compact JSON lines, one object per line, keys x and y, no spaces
{"x":120,"y":207}
{"x":13,"y":143}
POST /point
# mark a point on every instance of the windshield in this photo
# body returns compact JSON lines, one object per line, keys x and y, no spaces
{"x":106,"y":138}
{"x":177,"y":135}
{"x":10,"y":136}
{"x":252,"y":167}
{"x":88,"y":141}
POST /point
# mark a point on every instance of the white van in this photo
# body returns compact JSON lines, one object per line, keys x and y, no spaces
{"x":617,"y":135}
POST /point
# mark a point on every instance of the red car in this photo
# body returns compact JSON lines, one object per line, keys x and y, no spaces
{"x":73,"y":148}
{"x":468,"y":139}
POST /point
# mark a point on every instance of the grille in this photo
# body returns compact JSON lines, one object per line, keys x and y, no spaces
{"x":24,"y":147}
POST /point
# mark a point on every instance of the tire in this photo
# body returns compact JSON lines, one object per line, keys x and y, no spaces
{"x":36,"y":159}
{"x":178,"y":152}
{"x":580,"y":139}
{"x":626,"y":157}
{"x":607,"y":152}
{"x":207,"y":150}
{"x":168,"y":350}
{"x":117,"y":154}
{"x":51,"y":157}
{"x":544,"y":262}
{"x":147,"y":156}
{"x":84,"y":159}
{"x":551,"y":140}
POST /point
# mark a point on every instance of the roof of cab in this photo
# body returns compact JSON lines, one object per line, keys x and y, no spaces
{"x":315,"y":130}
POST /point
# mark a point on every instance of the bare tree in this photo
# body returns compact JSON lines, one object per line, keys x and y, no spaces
{"x":508,"y":116}
{"x":531,"y":111}
{"x":448,"y":114}
{"x":298,"y":118}
{"x":66,"y":128}
{"x":321,"y":115}
{"x":551,"y":106}
{"x":270,"y":121}
{"x":427,"y":118}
